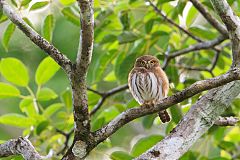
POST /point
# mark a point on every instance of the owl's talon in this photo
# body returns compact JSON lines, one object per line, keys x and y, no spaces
{"x":148,"y":104}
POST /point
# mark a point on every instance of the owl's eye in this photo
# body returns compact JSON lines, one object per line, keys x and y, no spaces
{"x":152,"y":62}
{"x":142,"y":63}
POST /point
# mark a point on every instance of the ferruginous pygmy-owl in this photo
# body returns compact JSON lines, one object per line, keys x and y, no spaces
{"x":148,"y":83}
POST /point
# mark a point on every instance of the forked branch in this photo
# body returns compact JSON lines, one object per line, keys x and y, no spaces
{"x":50,"y":49}
{"x":21,"y":146}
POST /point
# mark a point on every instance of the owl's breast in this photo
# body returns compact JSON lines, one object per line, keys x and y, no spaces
{"x":145,"y":87}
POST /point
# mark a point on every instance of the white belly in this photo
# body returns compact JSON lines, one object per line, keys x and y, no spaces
{"x":146,"y":87}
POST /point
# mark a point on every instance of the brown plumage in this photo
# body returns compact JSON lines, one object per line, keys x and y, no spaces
{"x":148,"y":83}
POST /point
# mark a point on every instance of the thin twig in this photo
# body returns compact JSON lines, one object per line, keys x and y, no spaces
{"x":192,"y":68}
{"x":199,"y":46}
{"x":214,"y":61}
{"x":196,"y":47}
{"x":210,"y":70}
{"x":212,"y":20}
{"x":226,"y":121}
{"x":94,"y":91}
{"x":67,"y":138}
{"x":105,"y":95}
{"x":172,"y":22}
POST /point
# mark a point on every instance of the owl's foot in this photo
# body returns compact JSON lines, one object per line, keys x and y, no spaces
{"x":148,"y":104}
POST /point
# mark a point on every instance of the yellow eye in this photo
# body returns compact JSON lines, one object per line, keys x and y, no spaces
{"x":142,"y":63}
{"x":152,"y":62}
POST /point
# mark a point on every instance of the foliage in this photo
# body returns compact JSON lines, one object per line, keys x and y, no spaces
{"x":124,"y":30}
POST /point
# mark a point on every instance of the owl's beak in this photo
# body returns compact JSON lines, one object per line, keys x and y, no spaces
{"x":148,"y":65}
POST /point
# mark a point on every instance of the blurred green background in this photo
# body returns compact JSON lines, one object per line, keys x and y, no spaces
{"x":124,"y":30}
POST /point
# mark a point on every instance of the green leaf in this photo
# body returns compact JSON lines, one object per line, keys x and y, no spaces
{"x":28,"y":21}
{"x":126,"y":66}
{"x":189,"y":155}
{"x":27,"y":106}
{"x":144,"y":144}
{"x":39,"y":5}
{"x":16,"y":120}
{"x":176,"y":113}
{"x":7,"y":35}
{"x":1,"y":13}
{"x":7,"y":91}
{"x":52,"y":109}
{"x":46,"y":94}
{"x":227,"y":146}
{"x":191,"y":16}
{"x":41,"y":127}
{"x":67,"y":2}
{"x":149,"y":25}
{"x":164,"y":1}
{"x":148,"y":121}
{"x":66,"y":98}
{"x":25,"y":2}
{"x":170,"y":127}
{"x":14,"y":71}
{"x":124,"y":19}
{"x":109,"y":38}
{"x":181,"y":5}
{"x":97,"y":123}
{"x":162,"y":39}
{"x":109,"y":113}
{"x":202,"y":32}
{"x":48,"y":26}
{"x":120,"y":155}
{"x":71,"y":16}
{"x":14,"y":3}
{"x":46,"y":70}
{"x":127,"y":37}
{"x":3,"y":18}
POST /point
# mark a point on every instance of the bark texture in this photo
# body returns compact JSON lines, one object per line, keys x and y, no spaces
{"x":198,"y":120}
{"x":20,"y":146}
{"x":195,"y":123}
{"x":42,"y":43}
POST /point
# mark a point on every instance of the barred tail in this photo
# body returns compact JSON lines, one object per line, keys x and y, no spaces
{"x":164,"y":116}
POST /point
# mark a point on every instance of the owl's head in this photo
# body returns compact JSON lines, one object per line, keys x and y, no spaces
{"x":147,"y":61}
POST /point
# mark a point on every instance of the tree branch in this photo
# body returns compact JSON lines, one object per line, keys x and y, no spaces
{"x":232,"y":23}
{"x":212,"y":20}
{"x":21,"y":146}
{"x":205,"y":112}
{"x":67,"y":137}
{"x":196,"y":47}
{"x":53,"y":52}
{"x":194,"y":124}
{"x":172,"y":22}
{"x":105,"y":96}
{"x":192,"y":68}
{"x":94,"y":91}
{"x":199,"y":46}
{"x":210,"y":70}
{"x":82,"y":139}
{"x":226,"y":121}
{"x":133,"y":113}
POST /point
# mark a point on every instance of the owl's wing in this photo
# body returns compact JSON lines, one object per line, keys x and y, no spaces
{"x":165,"y":83}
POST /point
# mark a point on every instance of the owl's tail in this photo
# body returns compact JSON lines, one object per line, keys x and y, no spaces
{"x":164,"y":116}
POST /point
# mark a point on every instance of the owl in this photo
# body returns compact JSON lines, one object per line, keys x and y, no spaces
{"x":148,"y":83}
